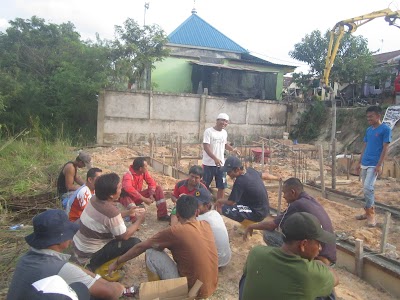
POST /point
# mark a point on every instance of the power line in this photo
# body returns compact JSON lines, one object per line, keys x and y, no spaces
{"x":282,"y":60}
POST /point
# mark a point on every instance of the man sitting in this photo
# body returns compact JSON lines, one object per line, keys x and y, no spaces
{"x":132,"y":193}
{"x":52,"y":234}
{"x":249,"y":198}
{"x":69,"y":175}
{"x":192,"y":246}
{"x":217,"y":224}
{"x":187,"y":186}
{"x":79,"y":199}
{"x":298,"y":201}
{"x":290,"y":272}
{"x":102,"y":234}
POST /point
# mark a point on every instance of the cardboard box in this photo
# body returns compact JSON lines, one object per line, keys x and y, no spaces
{"x":170,"y":289}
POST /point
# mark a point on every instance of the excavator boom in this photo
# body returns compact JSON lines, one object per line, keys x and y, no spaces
{"x":350,"y":26}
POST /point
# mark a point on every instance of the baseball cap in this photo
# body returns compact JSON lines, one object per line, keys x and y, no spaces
{"x":305,"y":226}
{"x":86,"y":158}
{"x":230,"y":163}
{"x":202,"y":195}
{"x":50,"y":228}
{"x":223,"y":116}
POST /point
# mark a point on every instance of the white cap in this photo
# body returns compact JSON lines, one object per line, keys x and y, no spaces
{"x":223,"y":116}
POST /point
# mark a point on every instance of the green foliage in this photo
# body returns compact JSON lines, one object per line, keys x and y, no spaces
{"x":134,"y":52}
{"x":352,"y":63}
{"x":311,"y":122}
{"x":48,"y":76}
{"x":29,"y":164}
{"x":50,"y":79}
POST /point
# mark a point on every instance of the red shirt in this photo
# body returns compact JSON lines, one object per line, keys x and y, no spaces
{"x":132,"y":183}
{"x":182,"y":187}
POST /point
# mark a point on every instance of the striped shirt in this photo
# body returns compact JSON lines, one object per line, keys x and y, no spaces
{"x":100,"y":222}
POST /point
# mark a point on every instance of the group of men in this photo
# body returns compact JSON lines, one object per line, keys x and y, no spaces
{"x":296,"y":264}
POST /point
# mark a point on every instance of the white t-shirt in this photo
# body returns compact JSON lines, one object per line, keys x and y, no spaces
{"x":220,"y":235}
{"x":217,"y":140}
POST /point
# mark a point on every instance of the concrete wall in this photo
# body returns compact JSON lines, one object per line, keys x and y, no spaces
{"x":127,"y":117}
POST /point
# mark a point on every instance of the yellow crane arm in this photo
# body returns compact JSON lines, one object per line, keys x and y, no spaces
{"x":351,"y":25}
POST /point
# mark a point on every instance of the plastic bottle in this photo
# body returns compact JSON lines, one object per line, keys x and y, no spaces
{"x":16,"y":227}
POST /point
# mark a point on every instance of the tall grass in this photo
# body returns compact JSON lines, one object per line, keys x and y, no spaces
{"x":30,"y":165}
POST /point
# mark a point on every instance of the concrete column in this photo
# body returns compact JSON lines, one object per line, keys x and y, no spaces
{"x":247,"y":112}
{"x":202,"y":116}
{"x":100,"y":118}
{"x":151,"y":105}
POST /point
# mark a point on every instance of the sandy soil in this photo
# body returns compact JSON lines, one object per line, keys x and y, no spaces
{"x":118,"y":159}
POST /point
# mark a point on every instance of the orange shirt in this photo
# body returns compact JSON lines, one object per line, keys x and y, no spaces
{"x":193,"y":248}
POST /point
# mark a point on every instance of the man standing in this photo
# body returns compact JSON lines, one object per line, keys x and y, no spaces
{"x":132,"y":193}
{"x":298,"y":201}
{"x":79,"y":199}
{"x":52,"y":234}
{"x":290,"y":272}
{"x":192,"y":246}
{"x":249,"y":198}
{"x":69,"y":175}
{"x":187,"y":186}
{"x":373,"y":154}
{"x":214,"y":145}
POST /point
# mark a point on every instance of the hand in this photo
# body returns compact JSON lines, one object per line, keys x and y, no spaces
{"x":378,"y":170}
{"x":147,"y":201}
{"x":112,"y":268}
{"x":248,"y":231}
{"x":140,"y":214}
{"x":152,"y":198}
{"x":218,"y":162}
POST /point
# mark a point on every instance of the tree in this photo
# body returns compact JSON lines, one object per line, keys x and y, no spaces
{"x":48,"y":76}
{"x":352,"y":63}
{"x":134,"y":52}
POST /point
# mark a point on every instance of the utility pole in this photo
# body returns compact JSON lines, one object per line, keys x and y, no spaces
{"x":146,"y":7}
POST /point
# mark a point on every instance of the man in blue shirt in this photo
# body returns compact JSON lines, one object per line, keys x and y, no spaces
{"x":376,"y":144}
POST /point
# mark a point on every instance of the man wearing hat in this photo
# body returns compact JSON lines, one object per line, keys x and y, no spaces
{"x":290,"y":272}
{"x":52,"y":234}
{"x":69,"y":176}
{"x":249,"y":198}
{"x":214,"y":144}
{"x":212,"y":217}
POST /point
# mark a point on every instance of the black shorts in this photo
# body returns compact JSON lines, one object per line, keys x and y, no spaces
{"x":211,"y":172}
{"x":240,"y":212}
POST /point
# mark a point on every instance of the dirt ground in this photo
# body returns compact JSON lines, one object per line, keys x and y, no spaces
{"x":118,"y":159}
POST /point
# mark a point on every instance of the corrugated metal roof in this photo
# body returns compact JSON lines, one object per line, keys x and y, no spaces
{"x":241,"y":68}
{"x":194,"y":31}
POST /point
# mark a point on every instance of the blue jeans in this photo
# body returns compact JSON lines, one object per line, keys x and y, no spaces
{"x":368,"y":178}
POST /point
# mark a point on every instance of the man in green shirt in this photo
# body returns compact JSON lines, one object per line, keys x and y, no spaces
{"x":290,"y":272}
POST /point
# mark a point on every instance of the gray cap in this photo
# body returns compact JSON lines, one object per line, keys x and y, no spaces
{"x":86,"y":158}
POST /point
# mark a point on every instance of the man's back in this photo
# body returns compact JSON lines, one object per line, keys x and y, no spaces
{"x":221,"y":237}
{"x":193,"y":249}
{"x":249,"y":190}
{"x":272,"y":274}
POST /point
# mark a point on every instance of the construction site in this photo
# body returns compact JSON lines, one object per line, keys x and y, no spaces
{"x":368,"y":258}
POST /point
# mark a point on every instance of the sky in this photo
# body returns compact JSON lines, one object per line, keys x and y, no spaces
{"x":268,"y":29}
